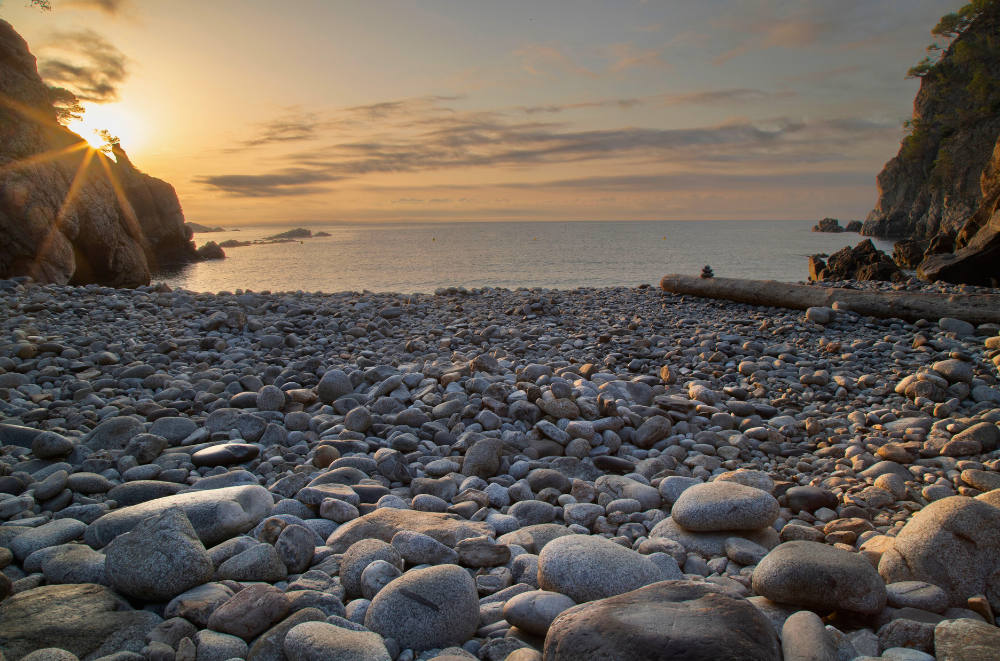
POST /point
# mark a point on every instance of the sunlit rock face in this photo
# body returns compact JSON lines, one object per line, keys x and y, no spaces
{"x":68,"y":213}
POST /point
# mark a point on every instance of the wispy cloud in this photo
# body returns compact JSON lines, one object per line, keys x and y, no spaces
{"x":439,"y":137}
{"x":85,"y":63}
{"x":741,"y":95}
{"x":286,"y":183}
{"x":547,"y":60}
{"x":106,"y":6}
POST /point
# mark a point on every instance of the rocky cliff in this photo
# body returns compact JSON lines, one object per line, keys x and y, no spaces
{"x":68,"y":213}
{"x":977,"y":258}
{"x":933,"y":184}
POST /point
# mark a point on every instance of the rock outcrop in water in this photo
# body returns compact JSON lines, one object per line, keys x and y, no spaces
{"x":862,"y":262}
{"x":68,"y":213}
{"x":932,"y":185}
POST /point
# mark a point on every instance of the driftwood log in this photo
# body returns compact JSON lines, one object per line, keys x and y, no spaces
{"x":973,"y":308}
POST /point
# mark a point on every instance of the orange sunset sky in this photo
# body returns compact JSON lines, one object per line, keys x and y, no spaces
{"x":313,"y":111}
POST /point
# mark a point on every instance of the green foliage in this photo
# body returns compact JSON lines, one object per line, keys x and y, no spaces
{"x":961,"y":81}
{"x":66,"y":104}
{"x":44,"y":5}
{"x":109,"y":140}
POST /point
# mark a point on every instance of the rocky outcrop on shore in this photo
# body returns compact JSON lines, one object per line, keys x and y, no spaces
{"x":932,"y":185}
{"x":197,"y":227}
{"x":862,"y":262}
{"x":61,"y":218}
{"x":491,"y":474}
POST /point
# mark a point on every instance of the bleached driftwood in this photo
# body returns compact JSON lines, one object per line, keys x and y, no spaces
{"x":973,"y":308}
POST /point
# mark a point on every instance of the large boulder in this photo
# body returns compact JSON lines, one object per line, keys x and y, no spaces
{"x":666,"y":621}
{"x":216,"y":515}
{"x":426,"y":608}
{"x":719,"y":505}
{"x":158,"y":559}
{"x":384,"y":523}
{"x":953,"y":543}
{"x":88,"y":620}
{"x":320,"y":641}
{"x":820,"y":577}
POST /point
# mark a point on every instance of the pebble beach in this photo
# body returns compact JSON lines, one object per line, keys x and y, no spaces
{"x":493,"y":474}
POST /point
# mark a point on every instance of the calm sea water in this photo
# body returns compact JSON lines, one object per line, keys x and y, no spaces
{"x":412,"y":258}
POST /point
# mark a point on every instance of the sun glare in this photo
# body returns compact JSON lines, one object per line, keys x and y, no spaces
{"x":112,"y":118}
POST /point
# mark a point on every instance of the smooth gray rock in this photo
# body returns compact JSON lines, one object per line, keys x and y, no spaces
{"x":820,"y":576}
{"x":586,"y":568}
{"x":75,"y":563}
{"x":718,"y":506}
{"x":198,"y":603}
{"x":535,"y":611}
{"x":916,"y":594}
{"x":804,"y":638}
{"x":114,"y":433}
{"x":53,"y":533}
{"x":673,"y":486}
{"x":258,"y":563}
{"x":426,"y":608}
{"x":270,"y":645}
{"x":216,"y":515}
{"x":160,"y":558}
{"x":320,"y":641}
{"x":359,"y":556}
{"x":418,"y":549}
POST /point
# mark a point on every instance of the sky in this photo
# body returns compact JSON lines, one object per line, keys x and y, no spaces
{"x":314,"y":111}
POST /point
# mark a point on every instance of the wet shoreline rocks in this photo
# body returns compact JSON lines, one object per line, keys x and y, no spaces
{"x":490,"y":474}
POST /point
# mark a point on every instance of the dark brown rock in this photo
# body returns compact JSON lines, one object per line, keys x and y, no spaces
{"x":666,"y":621}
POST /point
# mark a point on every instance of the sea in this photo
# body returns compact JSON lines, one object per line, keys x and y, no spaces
{"x":411,"y":258}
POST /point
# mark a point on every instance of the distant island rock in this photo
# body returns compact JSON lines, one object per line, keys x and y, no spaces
{"x":98,"y":237}
{"x":319,"y":234}
{"x":233,"y":243}
{"x":829,"y":225}
{"x":297,"y":233}
{"x":203,"y":229}
{"x":832,"y":226}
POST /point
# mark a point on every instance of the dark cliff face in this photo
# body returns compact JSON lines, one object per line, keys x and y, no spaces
{"x":68,"y":213}
{"x":933,"y":184}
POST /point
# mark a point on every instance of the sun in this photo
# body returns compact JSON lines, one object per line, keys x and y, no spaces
{"x":114,"y":119}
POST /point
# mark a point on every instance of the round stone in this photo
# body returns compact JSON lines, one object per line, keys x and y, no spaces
{"x":334,"y":385}
{"x":270,"y":398}
{"x":320,"y":641}
{"x":427,"y":608}
{"x":819,"y":576}
{"x":376,"y":576}
{"x":916,"y":594}
{"x":359,"y":556}
{"x":668,"y":620}
{"x":810,"y":499}
{"x":226,"y":454}
{"x":535,"y":611}
{"x":50,"y":445}
{"x":158,"y":559}
{"x":586,"y":568}
{"x":717,"y":506}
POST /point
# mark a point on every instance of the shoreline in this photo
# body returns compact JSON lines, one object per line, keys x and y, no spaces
{"x":533,"y":416}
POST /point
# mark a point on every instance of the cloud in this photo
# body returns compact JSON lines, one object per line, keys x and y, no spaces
{"x":712,"y":97}
{"x":107,"y":6}
{"x":85,"y":63}
{"x":278,"y":184}
{"x":823,"y":76}
{"x":770,"y":33}
{"x":296,"y":126}
{"x":443,"y":138}
{"x":542,"y":60}
{"x":701,"y":181}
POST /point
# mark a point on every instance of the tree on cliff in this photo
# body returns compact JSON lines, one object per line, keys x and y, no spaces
{"x":66,"y":104}
{"x":44,"y":5}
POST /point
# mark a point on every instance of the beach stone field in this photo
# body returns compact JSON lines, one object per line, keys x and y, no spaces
{"x":588,"y":474}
